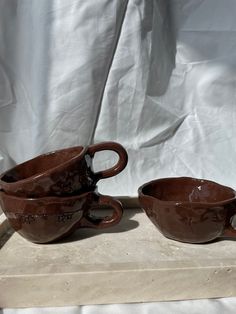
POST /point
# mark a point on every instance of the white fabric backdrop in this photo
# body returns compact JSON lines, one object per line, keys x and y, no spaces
{"x":222,"y":306}
{"x":157,"y":76}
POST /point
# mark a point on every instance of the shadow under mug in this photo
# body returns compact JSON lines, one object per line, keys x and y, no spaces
{"x":46,"y":219}
{"x":188,"y":209}
{"x":61,"y":172}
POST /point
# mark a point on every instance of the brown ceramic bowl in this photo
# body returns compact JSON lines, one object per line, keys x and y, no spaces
{"x":62,"y":172}
{"x":43,"y":220}
{"x":189,"y":210}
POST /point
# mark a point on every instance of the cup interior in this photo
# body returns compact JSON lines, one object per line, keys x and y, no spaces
{"x":188,"y":190}
{"x":40,"y":164}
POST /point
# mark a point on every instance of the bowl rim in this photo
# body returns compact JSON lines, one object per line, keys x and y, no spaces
{"x":185,"y":203}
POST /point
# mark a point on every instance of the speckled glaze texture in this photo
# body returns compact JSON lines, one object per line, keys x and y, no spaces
{"x":62,"y":172}
{"x":189,"y":210}
{"x":46,"y":219}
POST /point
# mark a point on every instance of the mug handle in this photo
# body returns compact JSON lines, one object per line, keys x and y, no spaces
{"x":91,"y":221}
{"x":229,"y":231}
{"x":118,"y":167}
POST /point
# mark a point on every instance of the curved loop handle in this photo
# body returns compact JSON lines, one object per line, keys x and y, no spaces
{"x":91,"y":221}
{"x":229,"y":231}
{"x":118,"y":167}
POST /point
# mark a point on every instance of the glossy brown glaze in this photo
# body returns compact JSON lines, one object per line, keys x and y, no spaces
{"x":43,"y":220}
{"x":62,"y":172}
{"x":189,"y":210}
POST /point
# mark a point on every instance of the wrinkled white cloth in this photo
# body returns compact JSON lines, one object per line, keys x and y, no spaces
{"x":217,"y":306}
{"x":157,"y":76}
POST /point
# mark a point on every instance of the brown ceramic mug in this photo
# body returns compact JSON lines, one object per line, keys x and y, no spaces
{"x":189,"y":210}
{"x":62,"y":172}
{"x":46,"y":219}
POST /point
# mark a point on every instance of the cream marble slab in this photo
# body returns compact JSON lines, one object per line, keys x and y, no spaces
{"x":131,"y":262}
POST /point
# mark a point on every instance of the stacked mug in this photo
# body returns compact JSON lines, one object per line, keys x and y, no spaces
{"x":50,"y":196}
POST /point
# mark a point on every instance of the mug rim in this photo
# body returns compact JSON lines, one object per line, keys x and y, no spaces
{"x":185,"y":203}
{"x":49,"y":199}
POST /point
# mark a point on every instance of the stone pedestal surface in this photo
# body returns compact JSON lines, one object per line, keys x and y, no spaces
{"x":131,"y":262}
